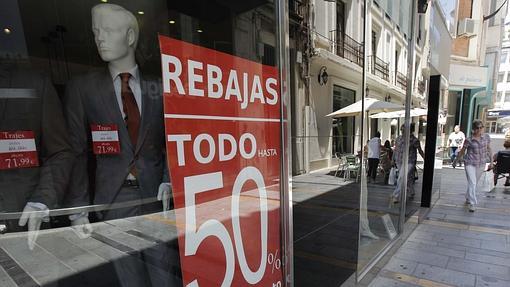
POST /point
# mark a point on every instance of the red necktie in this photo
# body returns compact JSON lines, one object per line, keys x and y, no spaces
{"x":130,"y":108}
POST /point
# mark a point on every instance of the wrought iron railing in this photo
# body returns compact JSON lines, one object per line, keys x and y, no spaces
{"x":401,"y":80}
{"x":380,"y":68}
{"x":347,"y":48}
{"x":350,"y":49}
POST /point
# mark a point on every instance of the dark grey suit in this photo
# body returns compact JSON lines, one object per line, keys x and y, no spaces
{"x":90,"y":99}
{"x":28,"y":101}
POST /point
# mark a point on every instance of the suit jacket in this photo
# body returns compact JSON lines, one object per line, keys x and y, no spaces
{"x":90,"y":99}
{"x":28,"y":101}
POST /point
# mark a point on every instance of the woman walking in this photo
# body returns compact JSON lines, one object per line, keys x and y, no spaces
{"x":476,"y":151}
{"x":386,"y":156}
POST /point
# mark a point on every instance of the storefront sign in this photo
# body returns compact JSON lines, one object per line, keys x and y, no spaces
{"x":468,"y":76}
{"x":222,"y":122}
{"x":17,"y":150}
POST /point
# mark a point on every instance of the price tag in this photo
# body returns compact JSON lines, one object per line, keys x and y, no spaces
{"x":105,"y":139}
{"x":17,"y":150}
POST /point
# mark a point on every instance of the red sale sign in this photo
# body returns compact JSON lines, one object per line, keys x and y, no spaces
{"x":17,"y":150}
{"x":222,"y":122}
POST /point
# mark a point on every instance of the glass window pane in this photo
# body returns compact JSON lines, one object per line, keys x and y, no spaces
{"x":144,"y":143}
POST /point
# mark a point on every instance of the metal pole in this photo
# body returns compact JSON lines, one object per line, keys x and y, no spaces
{"x":285,"y":140}
{"x":461,"y":106}
{"x":407,"y":119}
{"x":363,"y":180}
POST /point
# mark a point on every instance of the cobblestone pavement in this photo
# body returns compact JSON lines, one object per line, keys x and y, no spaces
{"x":452,"y":246}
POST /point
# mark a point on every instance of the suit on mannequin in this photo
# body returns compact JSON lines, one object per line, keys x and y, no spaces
{"x":122,"y":98}
{"x":99,"y":98}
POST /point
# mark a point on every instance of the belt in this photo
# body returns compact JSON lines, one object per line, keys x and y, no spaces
{"x":130,"y":183}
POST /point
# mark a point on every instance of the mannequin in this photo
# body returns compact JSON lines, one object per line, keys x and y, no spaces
{"x":116,"y":35}
{"x":130,"y":168}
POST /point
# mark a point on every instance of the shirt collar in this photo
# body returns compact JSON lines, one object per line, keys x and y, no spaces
{"x":133,"y":72}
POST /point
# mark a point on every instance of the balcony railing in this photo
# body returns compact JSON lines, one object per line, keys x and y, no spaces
{"x":421,"y":87}
{"x":348,"y":48}
{"x":401,"y":80}
{"x":380,"y":68}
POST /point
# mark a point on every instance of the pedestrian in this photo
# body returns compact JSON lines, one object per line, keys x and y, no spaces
{"x":386,"y":158}
{"x":374,"y":153}
{"x":500,"y":167}
{"x":414,"y":148}
{"x":455,"y":141}
{"x":476,"y":151}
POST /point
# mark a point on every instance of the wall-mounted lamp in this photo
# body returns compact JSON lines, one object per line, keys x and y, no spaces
{"x":323,"y":76}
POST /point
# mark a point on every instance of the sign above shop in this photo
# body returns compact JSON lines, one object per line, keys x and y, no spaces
{"x":468,"y":76}
{"x":495,"y":114}
{"x":223,"y":128}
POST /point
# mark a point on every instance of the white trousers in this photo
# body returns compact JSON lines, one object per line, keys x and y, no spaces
{"x":473,"y":174}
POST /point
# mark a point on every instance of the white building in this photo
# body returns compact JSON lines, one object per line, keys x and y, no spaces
{"x":337,"y":37}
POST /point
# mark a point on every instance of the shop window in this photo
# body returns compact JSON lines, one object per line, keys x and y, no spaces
{"x":343,"y":128}
{"x":113,"y":113}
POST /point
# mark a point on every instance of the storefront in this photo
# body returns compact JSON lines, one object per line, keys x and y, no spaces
{"x":147,"y":143}
{"x":141,"y":144}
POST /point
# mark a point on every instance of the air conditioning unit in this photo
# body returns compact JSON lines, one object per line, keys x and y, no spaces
{"x":466,"y":28}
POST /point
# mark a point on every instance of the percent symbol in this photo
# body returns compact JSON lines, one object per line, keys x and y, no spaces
{"x":275,"y":262}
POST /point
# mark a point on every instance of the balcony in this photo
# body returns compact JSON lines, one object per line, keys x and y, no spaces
{"x":348,"y":48}
{"x":379,"y":68}
{"x":401,"y":80}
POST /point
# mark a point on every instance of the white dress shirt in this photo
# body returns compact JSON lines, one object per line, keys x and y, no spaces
{"x":374,"y":148}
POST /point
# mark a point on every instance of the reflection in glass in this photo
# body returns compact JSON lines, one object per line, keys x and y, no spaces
{"x":82,"y":86}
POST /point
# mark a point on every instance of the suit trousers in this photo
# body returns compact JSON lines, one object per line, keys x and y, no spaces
{"x":151,"y":267}
{"x":373,"y":163}
{"x":473,"y":173}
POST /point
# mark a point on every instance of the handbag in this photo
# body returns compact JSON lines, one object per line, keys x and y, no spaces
{"x":392,"y":179}
{"x":486,"y":183}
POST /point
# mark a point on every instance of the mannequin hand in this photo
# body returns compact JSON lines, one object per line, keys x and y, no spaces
{"x":164,"y":194}
{"x":82,"y":227}
{"x":34,"y":213}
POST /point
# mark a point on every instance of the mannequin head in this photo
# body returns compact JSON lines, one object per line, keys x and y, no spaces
{"x":115,"y":33}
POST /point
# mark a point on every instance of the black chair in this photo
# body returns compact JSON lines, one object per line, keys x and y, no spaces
{"x":502,"y":168}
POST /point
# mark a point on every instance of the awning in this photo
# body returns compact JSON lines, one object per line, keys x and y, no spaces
{"x":371,"y":105}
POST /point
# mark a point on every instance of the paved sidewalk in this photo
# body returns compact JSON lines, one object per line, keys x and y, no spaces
{"x":453,"y":247}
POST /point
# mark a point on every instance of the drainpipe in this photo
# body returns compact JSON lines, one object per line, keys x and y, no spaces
{"x":479,"y":92}
{"x":487,"y":92}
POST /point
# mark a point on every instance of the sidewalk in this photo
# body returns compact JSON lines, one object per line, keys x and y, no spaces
{"x":453,"y":247}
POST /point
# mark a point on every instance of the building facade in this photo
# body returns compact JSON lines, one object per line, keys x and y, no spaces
{"x":499,"y":50}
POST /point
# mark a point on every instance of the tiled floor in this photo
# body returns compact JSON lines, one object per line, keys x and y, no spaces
{"x":454,"y":247}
